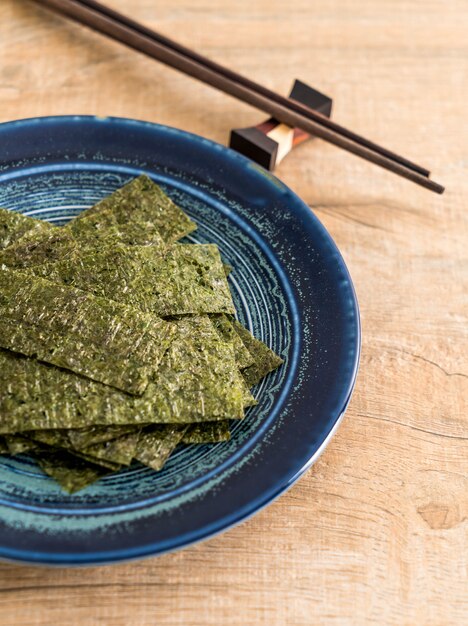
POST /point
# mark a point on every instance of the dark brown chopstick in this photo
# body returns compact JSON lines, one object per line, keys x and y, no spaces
{"x":138,"y":37}
{"x":297,"y":106}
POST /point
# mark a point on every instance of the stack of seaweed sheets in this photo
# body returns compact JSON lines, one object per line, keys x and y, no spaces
{"x":117,"y":342}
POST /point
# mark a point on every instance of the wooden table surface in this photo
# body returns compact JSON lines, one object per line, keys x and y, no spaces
{"x":376,"y":532}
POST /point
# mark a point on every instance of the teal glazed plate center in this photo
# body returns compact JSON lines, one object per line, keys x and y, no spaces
{"x":291,"y":289}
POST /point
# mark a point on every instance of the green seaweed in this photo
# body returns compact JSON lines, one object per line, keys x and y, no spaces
{"x":121,"y":450}
{"x":71,"y":472}
{"x":49,"y":244}
{"x":181,"y":280}
{"x":64,"y":326}
{"x":226,"y":328}
{"x":14,"y":225}
{"x":207,"y":432}
{"x":59,"y":439}
{"x":122,"y":253}
{"x":143,"y":205}
{"x":190,"y":280}
{"x":102,"y":228}
{"x":197,"y":380}
{"x":37,"y":247}
{"x":116,"y":272}
{"x":265,"y":359}
{"x":92,"y":232}
{"x":248,"y":397}
{"x":81,"y":438}
{"x":54,"y":438}
{"x":157,"y":443}
{"x":17,"y":444}
{"x":106,"y":463}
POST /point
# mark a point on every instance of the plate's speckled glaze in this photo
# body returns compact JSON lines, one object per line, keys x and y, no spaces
{"x":291,"y":289}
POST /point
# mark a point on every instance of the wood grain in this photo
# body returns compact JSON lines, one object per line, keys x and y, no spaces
{"x":376,"y":532}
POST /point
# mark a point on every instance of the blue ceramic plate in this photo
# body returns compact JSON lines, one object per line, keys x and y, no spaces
{"x":291,"y":288}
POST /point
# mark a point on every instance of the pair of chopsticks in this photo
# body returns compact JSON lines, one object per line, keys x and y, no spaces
{"x":134,"y":35}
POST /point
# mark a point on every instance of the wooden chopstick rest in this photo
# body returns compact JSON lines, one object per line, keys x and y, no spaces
{"x":270,"y":141}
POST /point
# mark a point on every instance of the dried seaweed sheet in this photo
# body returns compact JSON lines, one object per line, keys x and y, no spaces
{"x":226,"y":328}
{"x":67,"y":327}
{"x":81,"y":438}
{"x":111,"y":457}
{"x":198,"y":378}
{"x":121,"y":450}
{"x":50,"y":244}
{"x":190,"y":279}
{"x":265,"y":359}
{"x":17,"y":444}
{"x":157,"y":443}
{"x":116,"y":272}
{"x":3,"y":446}
{"x":109,"y":465}
{"x":197,"y":381}
{"x":59,"y":439}
{"x":103,"y":228}
{"x":72,"y":473}
{"x":37,"y":396}
{"x":208,"y":432}
{"x":54,"y":438}
{"x":143,"y":203}
{"x":248,"y":397}
{"x":14,"y":225}
{"x":37,"y":247}
{"x":92,"y":232}
{"x":203,"y":432}
{"x":182,"y":280}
